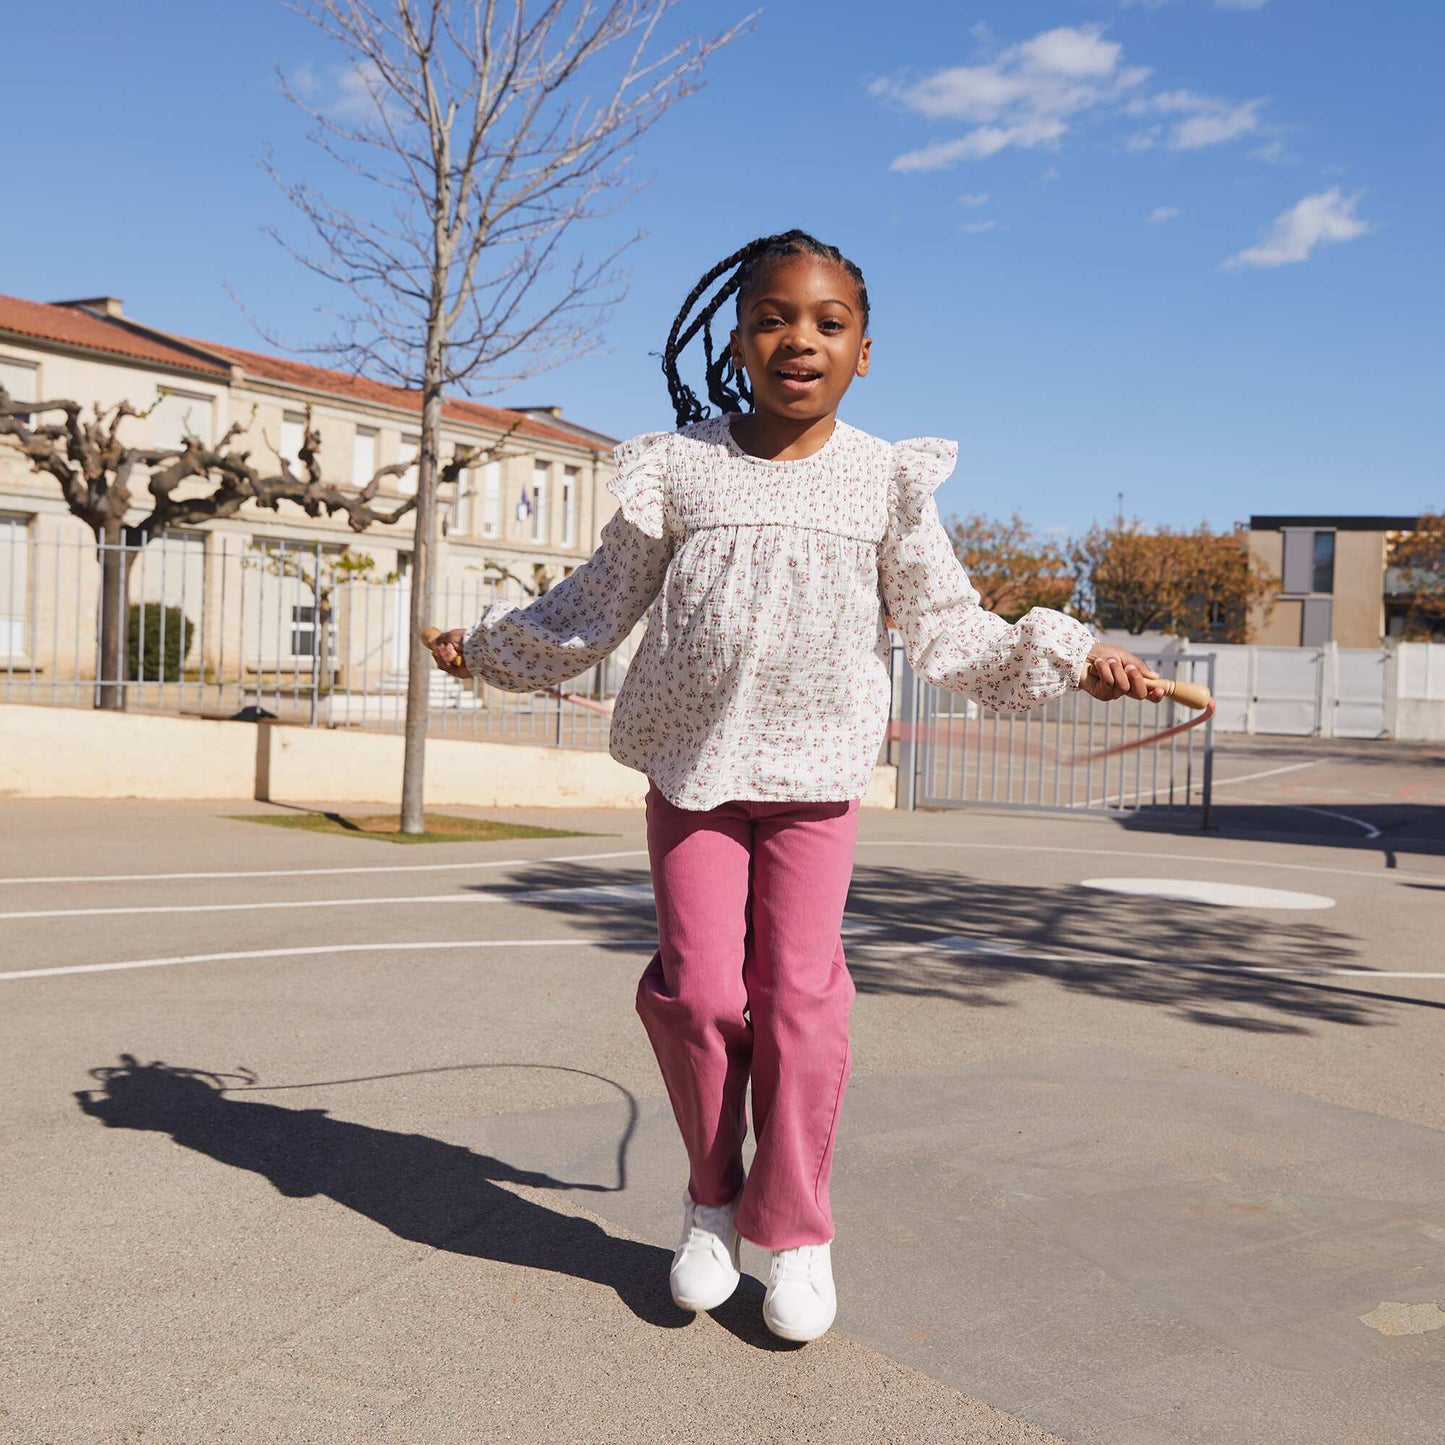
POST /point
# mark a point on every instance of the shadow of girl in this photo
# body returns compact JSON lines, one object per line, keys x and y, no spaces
{"x":419,"y":1188}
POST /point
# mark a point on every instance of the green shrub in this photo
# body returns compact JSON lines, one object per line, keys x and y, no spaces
{"x":157,"y":640}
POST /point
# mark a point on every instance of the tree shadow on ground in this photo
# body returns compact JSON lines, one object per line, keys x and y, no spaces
{"x":421,"y":1189}
{"x":1397,"y":828}
{"x":1186,"y":958}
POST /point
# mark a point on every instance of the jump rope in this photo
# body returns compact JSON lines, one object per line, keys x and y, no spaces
{"x":1193,"y":695}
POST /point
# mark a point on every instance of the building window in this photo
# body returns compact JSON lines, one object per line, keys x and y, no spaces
{"x":1316,"y":621}
{"x":14,"y":584}
{"x":293,"y":438}
{"x":491,"y":499}
{"x":410,"y":449}
{"x":462,"y":508}
{"x":1322,"y":572}
{"x":303,"y":633}
{"x":179,"y":414}
{"x":569,"y":507}
{"x":1309,"y":560}
{"x":363,"y":456}
{"x":20,"y":378}
{"x":539,"y":502}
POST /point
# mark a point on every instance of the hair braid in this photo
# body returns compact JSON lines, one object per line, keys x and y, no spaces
{"x":727,"y":386}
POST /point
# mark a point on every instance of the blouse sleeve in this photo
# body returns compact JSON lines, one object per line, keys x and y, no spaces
{"x":587,"y":614}
{"x":950,"y":640}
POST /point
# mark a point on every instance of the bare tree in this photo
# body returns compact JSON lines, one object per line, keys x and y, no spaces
{"x":95,"y":469}
{"x":470,"y":121}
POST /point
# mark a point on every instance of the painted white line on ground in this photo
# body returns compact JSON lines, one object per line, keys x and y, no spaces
{"x":1218,"y":783}
{"x":357,"y":903}
{"x":625,"y":892}
{"x":1268,"y":773}
{"x":1383,"y":875}
{"x":328,"y":948}
{"x":1004,"y":952}
{"x":1370,"y":830}
{"x":321,"y":872}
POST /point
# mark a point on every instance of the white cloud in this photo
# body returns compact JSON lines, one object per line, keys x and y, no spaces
{"x":1201,"y":120}
{"x":1324,"y":219}
{"x":1240,"y":4}
{"x":980,"y":143}
{"x":1161,"y":214}
{"x":1023,"y":98}
{"x":1273,"y":153}
{"x":977,"y":228}
{"x":974,"y":199}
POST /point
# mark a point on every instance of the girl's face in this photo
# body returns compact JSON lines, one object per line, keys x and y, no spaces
{"x":800,"y":336}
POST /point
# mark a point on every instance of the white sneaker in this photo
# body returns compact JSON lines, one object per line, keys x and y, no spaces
{"x":801,"y":1302}
{"x":705,"y":1268}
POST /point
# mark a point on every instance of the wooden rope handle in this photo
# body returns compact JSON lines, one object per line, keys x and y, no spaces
{"x":1189,"y":694}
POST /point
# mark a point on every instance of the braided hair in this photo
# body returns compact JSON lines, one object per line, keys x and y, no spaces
{"x":727,"y":385}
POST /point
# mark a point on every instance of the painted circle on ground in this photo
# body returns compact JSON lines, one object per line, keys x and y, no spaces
{"x":1221,"y":895}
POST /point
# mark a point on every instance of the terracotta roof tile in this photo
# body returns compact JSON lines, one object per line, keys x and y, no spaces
{"x":362,"y":390}
{"x":74,"y":327}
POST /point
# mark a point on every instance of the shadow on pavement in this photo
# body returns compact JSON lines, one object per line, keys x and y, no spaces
{"x":1180,"y":956}
{"x":419,"y":1188}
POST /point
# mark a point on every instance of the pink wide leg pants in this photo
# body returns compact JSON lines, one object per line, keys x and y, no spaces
{"x":749,"y":981}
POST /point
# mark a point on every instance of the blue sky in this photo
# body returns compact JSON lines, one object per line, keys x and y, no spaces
{"x":1186,"y":250}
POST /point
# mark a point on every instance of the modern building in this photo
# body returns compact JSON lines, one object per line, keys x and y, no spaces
{"x":1336,"y":584}
{"x":517,"y":523}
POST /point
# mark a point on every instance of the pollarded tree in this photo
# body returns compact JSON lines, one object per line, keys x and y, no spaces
{"x":485,"y":131}
{"x":86,"y":454}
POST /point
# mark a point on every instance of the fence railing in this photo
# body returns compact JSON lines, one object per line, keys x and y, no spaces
{"x":1061,"y":757}
{"x":221,"y":625}
{"x":216,"y":625}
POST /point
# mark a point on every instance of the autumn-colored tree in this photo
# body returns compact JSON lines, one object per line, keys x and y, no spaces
{"x":1200,"y":584}
{"x":1417,"y":577}
{"x":1010,"y":565}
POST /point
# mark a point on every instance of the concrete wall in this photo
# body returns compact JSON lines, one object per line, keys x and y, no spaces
{"x":1359,"y":611}
{"x":1281,"y":627}
{"x":51,"y":752}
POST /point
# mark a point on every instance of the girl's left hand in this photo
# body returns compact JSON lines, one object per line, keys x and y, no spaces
{"x":1113,"y":672}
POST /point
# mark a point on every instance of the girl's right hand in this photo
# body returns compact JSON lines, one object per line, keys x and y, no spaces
{"x":446,"y":650}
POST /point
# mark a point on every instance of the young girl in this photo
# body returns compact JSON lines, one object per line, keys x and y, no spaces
{"x":769,"y":543}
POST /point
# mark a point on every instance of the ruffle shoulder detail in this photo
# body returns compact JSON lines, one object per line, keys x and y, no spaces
{"x":920,"y":466}
{"x":640,"y":484}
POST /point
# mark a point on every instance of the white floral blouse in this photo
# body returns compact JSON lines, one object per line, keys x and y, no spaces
{"x":763,"y":673}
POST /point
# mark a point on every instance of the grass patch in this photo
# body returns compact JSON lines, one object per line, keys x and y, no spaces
{"x":386,"y":827}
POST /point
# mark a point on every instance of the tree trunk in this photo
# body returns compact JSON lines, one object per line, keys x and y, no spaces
{"x":419,"y":660}
{"x":115,"y":564}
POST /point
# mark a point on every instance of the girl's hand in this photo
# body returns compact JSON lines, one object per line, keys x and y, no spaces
{"x":446,"y":650}
{"x":1113,"y":672}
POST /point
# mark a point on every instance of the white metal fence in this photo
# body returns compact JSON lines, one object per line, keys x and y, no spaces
{"x":1332,"y":692}
{"x":214,"y":624}
{"x":1060,"y":757}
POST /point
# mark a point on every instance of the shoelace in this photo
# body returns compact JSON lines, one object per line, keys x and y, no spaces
{"x":714,"y":1219}
{"x":796,"y":1264}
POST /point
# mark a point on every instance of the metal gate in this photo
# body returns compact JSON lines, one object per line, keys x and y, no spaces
{"x":953,"y":753}
{"x":1362,"y":683}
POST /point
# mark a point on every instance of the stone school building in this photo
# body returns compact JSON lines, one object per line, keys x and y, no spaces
{"x":246,"y":585}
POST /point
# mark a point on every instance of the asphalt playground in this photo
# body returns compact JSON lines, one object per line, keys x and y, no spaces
{"x":322,"y":1139}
